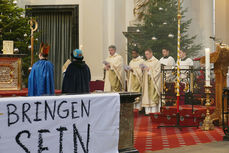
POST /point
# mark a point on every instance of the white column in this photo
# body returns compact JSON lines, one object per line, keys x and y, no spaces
{"x":129,"y":12}
{"x":108,"y":24}
{"x":111,"y":21}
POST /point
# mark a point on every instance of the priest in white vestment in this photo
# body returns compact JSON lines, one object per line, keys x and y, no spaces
{"x":151,"y":83}
{"x":114,"y":76}
{"x":134,"y":73}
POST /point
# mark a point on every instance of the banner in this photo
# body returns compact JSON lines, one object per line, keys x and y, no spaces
{"x":60,"y":124}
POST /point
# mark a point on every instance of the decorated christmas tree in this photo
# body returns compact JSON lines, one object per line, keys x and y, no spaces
{"x":14,"y":26}
{"x":158,"y":29}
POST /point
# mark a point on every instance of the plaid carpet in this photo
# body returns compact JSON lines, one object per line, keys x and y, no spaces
{"x":148,"y":137}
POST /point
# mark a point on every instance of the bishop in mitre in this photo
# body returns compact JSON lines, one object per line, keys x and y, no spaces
{"x":135,"y":76}
{"x":114,"y":76}
{"x":151,"y":83}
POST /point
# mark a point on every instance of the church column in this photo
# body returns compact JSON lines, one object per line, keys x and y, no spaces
{"x":114,"y":23}
{"x":108,"y":23}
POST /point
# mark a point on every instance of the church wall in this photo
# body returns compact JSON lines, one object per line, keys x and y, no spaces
{"x":222,"y":20}
{"x":201,"y":13}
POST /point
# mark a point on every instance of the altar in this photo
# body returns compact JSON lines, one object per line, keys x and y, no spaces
{"x":11,"y":71}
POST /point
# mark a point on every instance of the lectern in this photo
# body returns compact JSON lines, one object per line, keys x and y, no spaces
{"x":220,"y":58}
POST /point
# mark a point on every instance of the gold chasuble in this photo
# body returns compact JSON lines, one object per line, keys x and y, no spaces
{"x":151,"y":86}
{"x":114,"y":79}
{"x":135,"y":76}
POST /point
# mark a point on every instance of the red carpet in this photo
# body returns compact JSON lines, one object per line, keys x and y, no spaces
{"x":148,"y":137}
{"x":15,"y":93}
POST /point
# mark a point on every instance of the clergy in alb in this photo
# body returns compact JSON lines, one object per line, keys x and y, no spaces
{"x":151,"y":83}
{"x":77,"y":76}
{"x":41,"y":80}
{"x":167,"y":60}
{"x":135,"y":75}
{"x":168,"y":63}
{"x":185,"y":63}
{"x":114,"y":76}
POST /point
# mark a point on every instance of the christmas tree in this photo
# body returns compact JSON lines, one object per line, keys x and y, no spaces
{"x":159,"y":30}
{"x":14,"y":26}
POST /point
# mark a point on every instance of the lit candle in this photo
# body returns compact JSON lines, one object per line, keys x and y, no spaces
{"x":207,"y":66}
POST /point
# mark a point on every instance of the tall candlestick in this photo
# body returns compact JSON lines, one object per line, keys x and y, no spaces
{"x":207,"y":66}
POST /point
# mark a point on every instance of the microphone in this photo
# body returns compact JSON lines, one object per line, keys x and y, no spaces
{"x":213,"y":38}
{"x":216,"y":39}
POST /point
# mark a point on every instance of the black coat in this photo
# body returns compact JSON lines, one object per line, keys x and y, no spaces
{"x":77,"y":78}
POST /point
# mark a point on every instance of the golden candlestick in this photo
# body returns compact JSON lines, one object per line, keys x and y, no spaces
{"x":33,"y":26}
{"x":207,"y":124}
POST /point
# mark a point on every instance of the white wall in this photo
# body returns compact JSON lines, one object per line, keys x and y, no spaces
{"x":201,"y":13}
{"x":222,"y":20}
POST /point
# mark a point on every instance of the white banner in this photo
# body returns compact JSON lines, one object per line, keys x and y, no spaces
{"x":60,"y":124}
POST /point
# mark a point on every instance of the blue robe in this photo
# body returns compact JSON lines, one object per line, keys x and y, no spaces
{"x":41,"y":80}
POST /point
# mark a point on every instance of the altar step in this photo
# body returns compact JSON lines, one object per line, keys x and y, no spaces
{"x":188,"y":115}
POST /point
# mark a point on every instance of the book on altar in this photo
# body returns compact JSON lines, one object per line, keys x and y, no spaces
{"x":8,"y":47}
{"x":65,"y":66}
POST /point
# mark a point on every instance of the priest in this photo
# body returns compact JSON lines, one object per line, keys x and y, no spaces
{"x":77,"y":76}
{"x":41,"y":80}
{"x":114,"y":76}
{"x":135,"y":75}
{"x":151,"y":83}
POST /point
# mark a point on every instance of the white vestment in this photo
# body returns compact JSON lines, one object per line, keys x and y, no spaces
{"x":151,"y":86}
{"x":116,"y":66}
{"x":135,"y":78}
{"x":185,"y":63}
{"x":168,"y":63}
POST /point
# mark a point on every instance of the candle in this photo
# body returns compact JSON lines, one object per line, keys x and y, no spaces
{"x":207,"y":66}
